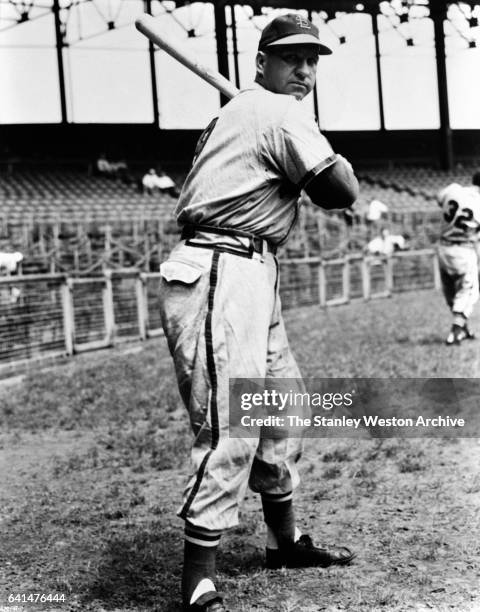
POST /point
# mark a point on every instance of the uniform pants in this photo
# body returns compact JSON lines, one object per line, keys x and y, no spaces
{"x":459,"y":275}
{"x":221,"y":316}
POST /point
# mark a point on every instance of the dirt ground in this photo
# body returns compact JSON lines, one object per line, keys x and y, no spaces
{"x":94,"y":455}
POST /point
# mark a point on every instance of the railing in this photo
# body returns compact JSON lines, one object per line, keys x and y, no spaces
{"x":52,"y":314}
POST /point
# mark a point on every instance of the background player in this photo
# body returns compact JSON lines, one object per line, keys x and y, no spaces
{"x":458,"y":254}
{"x":220,"y":303}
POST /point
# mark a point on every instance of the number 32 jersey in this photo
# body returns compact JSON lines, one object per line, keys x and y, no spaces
{"x":461,"y":213}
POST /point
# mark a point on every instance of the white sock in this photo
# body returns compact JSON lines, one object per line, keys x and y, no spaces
{"x":272,"y":540}
{"x":204,"y":586}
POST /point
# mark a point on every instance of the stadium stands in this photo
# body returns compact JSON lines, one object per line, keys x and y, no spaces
{"x":64,"y":218}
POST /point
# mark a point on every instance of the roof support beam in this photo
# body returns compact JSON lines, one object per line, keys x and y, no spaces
{"x":438,"y":11}
{"x":378,"y":61}
{"x":222,"y":47}
{"x":153,"y":71}
{"x":61,"y":71}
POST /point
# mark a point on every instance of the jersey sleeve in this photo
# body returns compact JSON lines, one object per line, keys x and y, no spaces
{"x":298,"y":147}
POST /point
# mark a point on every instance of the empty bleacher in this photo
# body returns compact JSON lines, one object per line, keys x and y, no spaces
{"x":64,"y":194}
{"x":64,"y":218}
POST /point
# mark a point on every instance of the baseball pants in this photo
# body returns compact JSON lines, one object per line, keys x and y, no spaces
{"x":222,"y":319}
{"x":459,"y":275}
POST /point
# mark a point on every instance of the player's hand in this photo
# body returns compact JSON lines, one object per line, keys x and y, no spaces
{"x":345,"y":161}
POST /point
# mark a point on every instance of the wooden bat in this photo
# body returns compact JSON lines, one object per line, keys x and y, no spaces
{"x":148,"y":26}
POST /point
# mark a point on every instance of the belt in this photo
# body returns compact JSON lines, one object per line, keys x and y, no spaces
{"x":256,"y":244}
{"x":447,"y":242}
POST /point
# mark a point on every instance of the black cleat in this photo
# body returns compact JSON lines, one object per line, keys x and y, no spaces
{"x":304,"y":554}
{"x":456,"y":335}
{"x":208,"y":602}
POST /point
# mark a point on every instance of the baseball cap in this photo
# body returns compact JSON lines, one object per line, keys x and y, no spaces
{"x":476,"y":178}
{"x":291,"y":29}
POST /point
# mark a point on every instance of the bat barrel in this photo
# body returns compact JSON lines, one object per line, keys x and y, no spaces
{"x":148,"y":26}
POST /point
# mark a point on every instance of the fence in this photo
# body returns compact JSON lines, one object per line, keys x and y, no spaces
{"x":82,"y":245}
{"x":47,"y":314}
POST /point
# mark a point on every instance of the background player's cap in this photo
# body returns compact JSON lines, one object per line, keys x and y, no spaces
{"x":476,"y":178}
{"x":291,"y":29}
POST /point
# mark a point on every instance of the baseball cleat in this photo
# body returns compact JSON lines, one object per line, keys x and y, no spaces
{"x":303,"y":553}
{"x":470,"y":335}
{"x":456,"y":335}
{"x":209,"y":602}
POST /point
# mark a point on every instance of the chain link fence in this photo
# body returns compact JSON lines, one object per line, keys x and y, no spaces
{"x":51,"y":314}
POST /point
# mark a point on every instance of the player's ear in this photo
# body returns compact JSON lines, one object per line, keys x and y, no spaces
{"x":260,"y":62}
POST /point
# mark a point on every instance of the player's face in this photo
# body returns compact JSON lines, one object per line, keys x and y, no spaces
{"x":289,"y":70}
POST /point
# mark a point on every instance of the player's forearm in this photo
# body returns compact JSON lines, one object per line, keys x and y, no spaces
{"x":335,"y":187}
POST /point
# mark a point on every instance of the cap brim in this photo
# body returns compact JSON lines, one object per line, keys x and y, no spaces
{"x":301,"y":39}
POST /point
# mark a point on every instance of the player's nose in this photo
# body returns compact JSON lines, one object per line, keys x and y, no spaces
{"x":302,"y":68}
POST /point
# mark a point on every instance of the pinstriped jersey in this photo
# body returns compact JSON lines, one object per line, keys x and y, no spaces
{"x":461,"y":213}
{"x":251,"y":164}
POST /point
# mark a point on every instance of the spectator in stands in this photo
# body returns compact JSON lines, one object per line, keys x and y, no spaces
{"x":152,"y":181}
{"x":165,"y":183}
{"x":386,"y":244}
{"x":9,"y":262}
{"x":111,"y":169}
{"x":376,"y":211}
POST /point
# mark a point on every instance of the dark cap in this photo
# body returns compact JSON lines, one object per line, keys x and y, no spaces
{"x":476,"y":178}
{"x":291,"y":29}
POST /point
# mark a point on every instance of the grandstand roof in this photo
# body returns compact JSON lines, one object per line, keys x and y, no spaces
{"x":337,"y":5}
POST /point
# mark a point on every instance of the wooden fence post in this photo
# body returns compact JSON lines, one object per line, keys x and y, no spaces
{"x":142,"y":305}
{"x":107,"y":245}
{"x":388,"y":267}
{"x":68,"y":315}
{"x":322,"y":284}
{"x":365,"y":278}
{"x":108,"y":307}
{"x":437,"y":282}
{"x":346,"y":279}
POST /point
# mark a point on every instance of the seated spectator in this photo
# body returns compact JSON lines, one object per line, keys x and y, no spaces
{"x":9,"y":262}
{"x":165,"y":183}
{"x":152,"y":181}
{"x":103,"y":165}
{"x":386,"y":244}
{"x":111,"y":169}
{"x":376,"y":211}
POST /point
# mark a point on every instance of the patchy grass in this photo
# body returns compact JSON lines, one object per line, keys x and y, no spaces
{"x":94,"y":456}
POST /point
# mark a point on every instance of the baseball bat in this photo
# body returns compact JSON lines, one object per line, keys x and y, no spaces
{"x":148,"y":26}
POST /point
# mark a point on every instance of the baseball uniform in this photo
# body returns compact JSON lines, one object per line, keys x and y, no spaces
{"x":457,"y":254}
{"x":220,"y":303}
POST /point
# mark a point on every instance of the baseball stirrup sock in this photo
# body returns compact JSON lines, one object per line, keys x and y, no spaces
{"x":279,"y":517}
{"x":200,"y":551}
{"x":459,"y":319}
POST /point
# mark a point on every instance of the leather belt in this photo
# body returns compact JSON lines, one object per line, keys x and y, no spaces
{"x":447,"y":242}
{"x":256,"y":244}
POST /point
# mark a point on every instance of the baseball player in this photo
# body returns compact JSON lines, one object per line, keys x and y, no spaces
{"x":220,"y":304}
{"x":458,"y":255}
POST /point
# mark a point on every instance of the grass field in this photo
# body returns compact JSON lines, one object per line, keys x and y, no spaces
{"x":94,"y":455}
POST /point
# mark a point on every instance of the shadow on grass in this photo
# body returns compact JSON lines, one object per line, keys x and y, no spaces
{"x":239,"y":558}
{"x":142,"y":569}
{"x":426,"y":341}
